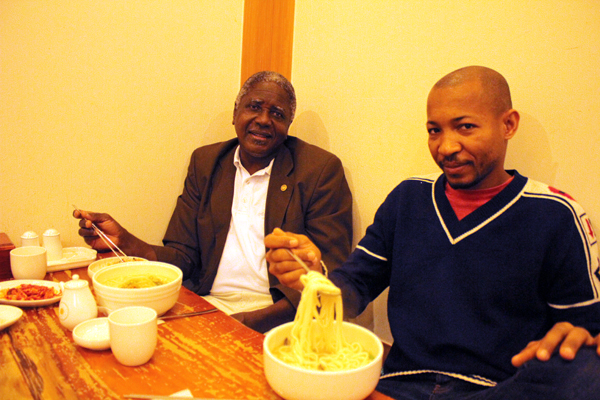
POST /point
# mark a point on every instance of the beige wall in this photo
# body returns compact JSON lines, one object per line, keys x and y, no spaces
{"x":103,"y":102}
{"x":363,"y":70}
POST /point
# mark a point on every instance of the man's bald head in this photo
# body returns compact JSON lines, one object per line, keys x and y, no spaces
{"x":494,"y":88}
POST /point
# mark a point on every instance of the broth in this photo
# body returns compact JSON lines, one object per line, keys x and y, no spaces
{"x":138,"y":281}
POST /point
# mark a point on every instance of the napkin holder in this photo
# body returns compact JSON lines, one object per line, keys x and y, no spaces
{"x":5,"y":247}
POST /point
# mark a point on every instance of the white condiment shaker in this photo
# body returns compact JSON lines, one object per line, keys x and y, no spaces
{"x":77,"y":303}
{"x":30,"y":238}
{"x":53,"y":245}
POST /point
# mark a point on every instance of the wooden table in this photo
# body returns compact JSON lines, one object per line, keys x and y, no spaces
{"x":212,"y":355}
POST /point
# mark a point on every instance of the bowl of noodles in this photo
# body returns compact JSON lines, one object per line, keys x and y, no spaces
{"x":138,"y":283}
{"x":319,"y":356}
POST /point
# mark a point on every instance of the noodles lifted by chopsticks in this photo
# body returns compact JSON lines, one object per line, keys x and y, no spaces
{"x":320,"y":345}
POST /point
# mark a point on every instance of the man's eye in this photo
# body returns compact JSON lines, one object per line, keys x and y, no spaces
{"x":432,"y":131}
{"x":254,"y":107}
{"x":278,"y":115}
{"x":468,"y":126}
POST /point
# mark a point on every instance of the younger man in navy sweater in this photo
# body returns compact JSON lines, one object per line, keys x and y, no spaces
{"x":489,"y":272}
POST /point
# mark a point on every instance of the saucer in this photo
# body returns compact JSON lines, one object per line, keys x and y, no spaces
{"x":73,"y":257}
{"x":92,"y":334}
{"x":9,"y":315}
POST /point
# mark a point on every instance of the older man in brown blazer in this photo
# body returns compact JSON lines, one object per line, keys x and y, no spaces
{"x":234,"y":193}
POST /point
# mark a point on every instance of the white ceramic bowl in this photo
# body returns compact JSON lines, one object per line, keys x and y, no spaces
{"x":92,"y":334}
{"x":160,"y":298}
{"x":9,"y":315}
{"x":295,"y":383}
{"x":105,"y":262}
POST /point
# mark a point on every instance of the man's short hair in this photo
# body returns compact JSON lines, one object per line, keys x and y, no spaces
{"x":494,"y":84}
{"x":268,"y":76}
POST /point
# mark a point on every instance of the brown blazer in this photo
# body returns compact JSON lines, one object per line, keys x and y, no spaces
{"x":308,"y":194}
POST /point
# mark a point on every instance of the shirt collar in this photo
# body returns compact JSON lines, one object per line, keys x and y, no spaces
{"x":238,"y":164}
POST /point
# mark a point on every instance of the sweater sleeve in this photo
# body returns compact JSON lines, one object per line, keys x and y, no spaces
{"x":572,"y":272}
{"x":367,"y":272}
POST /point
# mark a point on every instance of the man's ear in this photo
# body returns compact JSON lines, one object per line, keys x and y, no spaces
{"x":510,"y":121}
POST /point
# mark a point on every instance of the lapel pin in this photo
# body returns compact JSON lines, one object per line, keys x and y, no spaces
{"x":283,"y":188}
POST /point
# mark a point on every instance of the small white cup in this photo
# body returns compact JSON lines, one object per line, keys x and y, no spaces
{"x":30,"y":238}
{"x":133,"y":334}
{"x":53,"y":245}
{"x":28,"y":262}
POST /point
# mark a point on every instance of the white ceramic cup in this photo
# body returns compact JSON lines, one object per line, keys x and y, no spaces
{"x":133,"y":334}
{"x":28,"y":262}
{"x":53,"y":245}
{"x":30,"y":238}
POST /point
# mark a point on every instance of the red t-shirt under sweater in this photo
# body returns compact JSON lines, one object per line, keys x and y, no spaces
{"x":464,"y":202}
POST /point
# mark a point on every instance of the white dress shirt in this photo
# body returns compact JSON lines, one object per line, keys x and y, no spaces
{"x":242,"y":281}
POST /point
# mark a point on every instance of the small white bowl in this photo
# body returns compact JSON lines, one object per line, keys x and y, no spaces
{"x":105,"y":262}
{"x":161,"y":298}
{"x":296,"y":383}
{"x":9,"y":315}
{"x":92,"y":334}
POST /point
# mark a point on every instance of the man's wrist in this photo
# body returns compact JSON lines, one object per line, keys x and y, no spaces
{"x":141,"y":249}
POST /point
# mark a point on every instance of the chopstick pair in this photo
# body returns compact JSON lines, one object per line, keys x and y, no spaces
{"x":334,"y":291}
{"x":299,"y":260}
{"x":111,"y":245}
{"x":190,"y":314}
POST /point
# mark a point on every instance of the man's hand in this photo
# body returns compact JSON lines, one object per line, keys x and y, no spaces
{"x":564,"y":336}
{"x":131,"y":245}
{"x":282,"y":265}
{"x":104,"y":222}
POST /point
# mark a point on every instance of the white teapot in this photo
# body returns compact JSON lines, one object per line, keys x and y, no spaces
{"x":77,"y":303}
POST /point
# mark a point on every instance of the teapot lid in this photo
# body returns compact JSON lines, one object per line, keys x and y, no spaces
{"x":76,"y":283}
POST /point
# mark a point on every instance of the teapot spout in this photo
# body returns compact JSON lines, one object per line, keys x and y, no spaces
{"x":104,"y":310}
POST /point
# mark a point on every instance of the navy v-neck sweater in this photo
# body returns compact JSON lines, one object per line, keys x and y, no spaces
{"x":465,"y":296}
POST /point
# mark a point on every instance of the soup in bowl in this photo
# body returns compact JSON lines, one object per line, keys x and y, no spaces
{"x":138,"y":283}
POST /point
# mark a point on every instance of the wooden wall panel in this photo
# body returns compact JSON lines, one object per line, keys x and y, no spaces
{"x":267,"y":37}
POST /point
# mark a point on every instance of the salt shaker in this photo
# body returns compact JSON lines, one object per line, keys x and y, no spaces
{"x":53,"y":245}
{"x":77,"y":303}
{"x":30,"y":238}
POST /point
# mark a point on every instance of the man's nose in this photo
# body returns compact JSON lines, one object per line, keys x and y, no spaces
{"x":449,"y":144}
{"x":263,"y":117}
